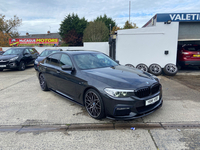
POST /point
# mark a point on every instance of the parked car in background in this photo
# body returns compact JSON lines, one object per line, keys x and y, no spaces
{"x":1,"y":52}
{"x":43,"y":55}
{"x":188,"y":55}
{"x":18,"y":57}
{"x":104,"y":87}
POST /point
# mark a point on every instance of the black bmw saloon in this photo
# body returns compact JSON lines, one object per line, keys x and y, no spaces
{"x":104,"y":87}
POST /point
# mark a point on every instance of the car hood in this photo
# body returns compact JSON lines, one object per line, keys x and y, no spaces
{"x":6,"y":57}
{"x":121,"y":77}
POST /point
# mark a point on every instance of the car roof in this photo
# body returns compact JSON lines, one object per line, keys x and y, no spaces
{"x":53,"y":50}
{"x":74,"y":52}
{"x":20,"y":47}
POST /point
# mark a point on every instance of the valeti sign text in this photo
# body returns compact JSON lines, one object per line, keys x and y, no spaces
{"x":178,"y":17}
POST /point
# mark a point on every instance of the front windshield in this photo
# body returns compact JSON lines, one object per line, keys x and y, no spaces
{"x":13,"y":51}
{"x":93,"y":60}
{"x":47,"y":53}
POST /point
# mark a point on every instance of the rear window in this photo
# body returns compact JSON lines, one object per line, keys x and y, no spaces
{"x":192,"y":48}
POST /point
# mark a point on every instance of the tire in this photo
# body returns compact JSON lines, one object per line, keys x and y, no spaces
{"x":170,"y":69}
{"x":94,"y":104}
{"x":22,"y":66}
{"x":142,"y":67}
{"x":155,"y":69}
{"x":43,"y":83}
{"x":1,"y":69}
{"x":129,"y":65}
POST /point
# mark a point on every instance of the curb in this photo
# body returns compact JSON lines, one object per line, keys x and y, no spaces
{"x":96,"y":126}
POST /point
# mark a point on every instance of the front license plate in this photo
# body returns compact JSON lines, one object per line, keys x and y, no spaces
{"x":152,"y":100}
{"x":196,"y":55}
{"x":2,"y":66}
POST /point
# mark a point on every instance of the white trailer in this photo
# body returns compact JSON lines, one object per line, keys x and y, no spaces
{"x":154,"y":47}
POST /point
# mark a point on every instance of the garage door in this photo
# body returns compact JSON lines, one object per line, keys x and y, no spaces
{"x":189,"y":31}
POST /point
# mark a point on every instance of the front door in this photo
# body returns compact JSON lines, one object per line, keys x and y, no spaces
{"x":66,"y":79}
{"x":27,"y":56}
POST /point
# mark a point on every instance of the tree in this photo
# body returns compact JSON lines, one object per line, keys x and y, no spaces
{"x":129,"y":25}
{"x":9,"y":26}
{"x":72,"y":38}
{"x":115,"y":28}
{"x":4,"y":39}
{"x":96,"y":32}
{"x":8,"y":29}
{"x":74,"y":26}
{"x":106,"y":20}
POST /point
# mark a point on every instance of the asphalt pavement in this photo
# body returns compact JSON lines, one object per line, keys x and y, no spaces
{"x":33,"y":119}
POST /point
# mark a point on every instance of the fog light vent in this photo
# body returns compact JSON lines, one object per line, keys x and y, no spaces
{"x":122,"y":111}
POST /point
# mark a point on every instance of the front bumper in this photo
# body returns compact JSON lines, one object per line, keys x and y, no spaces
{"x":36,"y":66}
{"x":9,"y":65}
{"x":130,"y":108}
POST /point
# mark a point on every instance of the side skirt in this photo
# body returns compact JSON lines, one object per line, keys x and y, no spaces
{"x":65,"y":96}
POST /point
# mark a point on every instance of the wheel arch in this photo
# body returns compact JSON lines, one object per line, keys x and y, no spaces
{"x":88,"y":88}
{"x":103,"y":110}
{"x":22,"y":60}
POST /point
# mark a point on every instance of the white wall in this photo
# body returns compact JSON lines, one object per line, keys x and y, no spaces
{"x":97,"y":46}
{"x":5,"y":48}
{"x":147,"y":45}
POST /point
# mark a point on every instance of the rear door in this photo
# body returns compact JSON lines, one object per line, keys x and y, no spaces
{"x":51,"y":70}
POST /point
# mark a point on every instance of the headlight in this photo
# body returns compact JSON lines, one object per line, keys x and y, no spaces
{"x":119,"y":92}
{"x":14,"y":58}
{"x":36,"y":62}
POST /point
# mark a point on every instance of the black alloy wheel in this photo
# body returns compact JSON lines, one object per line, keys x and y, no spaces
{"x":43,"y":83}
{"x":129,"y":65}
{"x":170,"y":69}
{"x":142,"y":67}
{"x":22,"y":66}
{"x":155,"y":69}
{"x":94,"y":104}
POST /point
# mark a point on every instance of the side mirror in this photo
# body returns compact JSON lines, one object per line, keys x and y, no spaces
{"x":26,"y":53}
{"x":66,"y":67}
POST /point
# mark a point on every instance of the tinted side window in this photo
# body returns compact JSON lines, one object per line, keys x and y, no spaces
{"x":53,"y":59}
{"x":47,"y":60}
{"x":26,"y":51}
{"x":31,"y":51}
{"x":65,"y":60}
{"x":35,"y":51}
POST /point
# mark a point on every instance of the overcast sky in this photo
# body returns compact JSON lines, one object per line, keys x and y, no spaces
{"x":39,"y":16}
